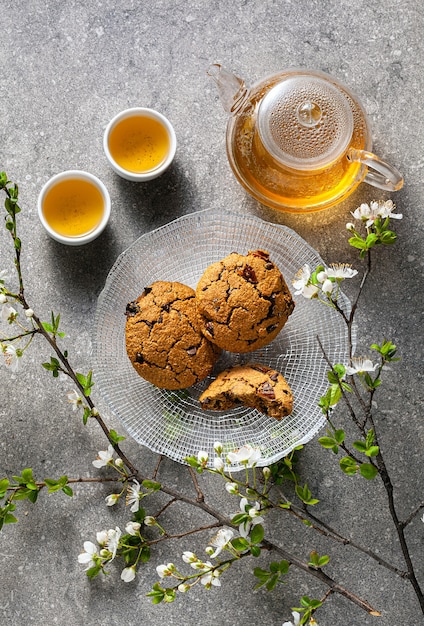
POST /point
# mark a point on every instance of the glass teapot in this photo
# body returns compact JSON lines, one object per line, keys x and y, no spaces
{"x":299,"y":140}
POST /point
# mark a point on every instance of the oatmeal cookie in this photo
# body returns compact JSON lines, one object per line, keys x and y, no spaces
{"x":163,"y":338}
{"x":243,"y":301}
{"x":253,"y":385}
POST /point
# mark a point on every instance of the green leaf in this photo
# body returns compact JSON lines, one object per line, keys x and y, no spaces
{"x":372,"y":451}
{"x":326,"y":442}
{"x":157,"y":594}
{"x":86,"y":415}
{"x":271,"y":582}
{"x":10,"y":519}
{"x":371,"y":240}
{"x":357,"y":242}
{"x":151,"y":484}
{"x":240,"y":544}
{"x":170,"y":595}
{"x":255,"y":551}
{"x":257,"y":534}
{"x":27,"y":475}
{"x":115,"y":438}
{"x":4,"y":484}
{"x":339,"y":435}
{"x":67,"y":491}
{"x":368,"y":471}
{"x":93,"y":571}
{"x":361,"y":446}
{"x":348,"y":465}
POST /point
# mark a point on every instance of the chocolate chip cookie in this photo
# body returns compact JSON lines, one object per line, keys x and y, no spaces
{"x":243,"y":301}
{"x":253,"y":385}
{"x":163,"y":338}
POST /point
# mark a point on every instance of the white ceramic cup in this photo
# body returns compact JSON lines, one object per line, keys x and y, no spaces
{"x":70,"y":205}
{"x":148,"y":174}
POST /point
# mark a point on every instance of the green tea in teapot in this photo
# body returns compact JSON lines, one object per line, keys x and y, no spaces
{"x":299,"y":140}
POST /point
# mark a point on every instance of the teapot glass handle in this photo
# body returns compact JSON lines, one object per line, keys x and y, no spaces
{"x":382,"y":175}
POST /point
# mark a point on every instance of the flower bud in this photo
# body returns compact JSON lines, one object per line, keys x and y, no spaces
{"x":218,"y":464}
{"x":209,"y":550}
{"x":183,"y":588}
{"x":266,"y":472}
{"x":217,"y":446}
{"x":189,"y":557}
{"x":202,"y":457}
{"x":132,"y":528}
{"x":149,"y":520}
{"x":119,"y":462}
{"x":232,"y":488}
{"x":350,"y":227}
{"x":112,"y":499}
{"x":29,"y":312}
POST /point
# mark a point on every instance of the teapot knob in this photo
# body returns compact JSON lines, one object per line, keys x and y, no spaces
{"x":309,"y":114}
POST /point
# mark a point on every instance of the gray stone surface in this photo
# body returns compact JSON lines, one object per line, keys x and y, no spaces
{"x":66,"y":69}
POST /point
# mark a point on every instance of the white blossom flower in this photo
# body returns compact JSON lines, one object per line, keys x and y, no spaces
{"x":149,"y":520}
{"x":221,"y":539}
{"x":12,"y":356}
{"x":75,"y":399}
{"x":102,"y":538}
{"x":128,"y":574}
{"x":113,"y":536}
{"x":3,"y":298}
{"x":189,"y":557}
{"x":132,"y":528}
{"x":104,"y":457}
{"x":339,"y":271}
{"x":218,"y":464}
{"x":367,"y":213}
{"x":210,"y":577}
{"x":360,"y":365}
{"x":246,"y":455}
{"x":165,"y":570}
{"x":202,"y":457}
{"x":133,"y":496}
{"x":296,"y":620}
{"x":112,"y":499}
{"x":301,"y":279}
{"x":88,"y":557}
{"x":253,"y":518}
{"x":386,"y":210}
{"x":8,"y":313}
{"x":422,"y":519}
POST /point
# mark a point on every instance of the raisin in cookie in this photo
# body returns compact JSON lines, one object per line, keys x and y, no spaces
{"x":163,"y":338}
{"x":252,"y":385}
{"x":243,"y":301}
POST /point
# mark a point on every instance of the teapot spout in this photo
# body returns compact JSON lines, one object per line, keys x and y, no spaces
{"x":232,"y":90}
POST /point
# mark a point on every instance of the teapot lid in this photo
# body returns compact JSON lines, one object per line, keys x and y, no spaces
{"x":305,"y":122}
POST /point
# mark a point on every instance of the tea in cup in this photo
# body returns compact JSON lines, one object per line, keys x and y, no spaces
{"x":139,"y":144}
{"x":74,"y":207}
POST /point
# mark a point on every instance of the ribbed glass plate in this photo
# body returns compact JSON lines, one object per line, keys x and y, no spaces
{"x":172,"y":423}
